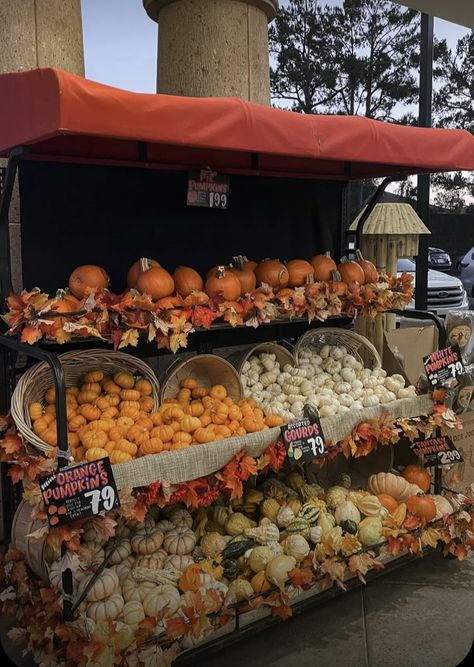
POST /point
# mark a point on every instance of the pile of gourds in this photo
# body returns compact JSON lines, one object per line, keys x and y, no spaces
{"x":232,"y":281}
{"x":331,"y":379}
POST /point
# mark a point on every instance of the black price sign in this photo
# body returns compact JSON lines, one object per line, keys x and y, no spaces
{"x":437,"y":452}
{"x":443,"y":365}
{"x":208,"y":188}
{"x":304,"y":440}
{"x":79,"y":492}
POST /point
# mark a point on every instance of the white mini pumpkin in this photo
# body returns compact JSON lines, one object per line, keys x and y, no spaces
{"x":145,"y":543}
{"x":107,"y":584}
{"x":162,"y":602}
{"x":133,"y":612}
{"x":109,"y":608}
{"x":179,"y":541}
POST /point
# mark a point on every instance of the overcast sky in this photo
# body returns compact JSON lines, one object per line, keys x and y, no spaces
{"x":120,"y":42}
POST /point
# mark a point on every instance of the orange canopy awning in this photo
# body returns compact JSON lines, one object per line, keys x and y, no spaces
{"x":60,"y":115}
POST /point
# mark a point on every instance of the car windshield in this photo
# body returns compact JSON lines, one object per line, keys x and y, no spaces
{"x":406,"y":265}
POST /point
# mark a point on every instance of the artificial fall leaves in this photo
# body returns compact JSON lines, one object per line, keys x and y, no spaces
{"x":121,"y":319}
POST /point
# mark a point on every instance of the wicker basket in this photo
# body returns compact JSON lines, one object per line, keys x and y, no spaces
{"x":357,"y":345}
{"x":33,"y":384}
{"x":207,"y":369}
{"x":283,"y":356}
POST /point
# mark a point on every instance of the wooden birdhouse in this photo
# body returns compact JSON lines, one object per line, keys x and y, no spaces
{"x":391,"y":231}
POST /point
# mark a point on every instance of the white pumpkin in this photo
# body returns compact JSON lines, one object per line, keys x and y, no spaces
{"x":296,"y":546}
{"x":107,"y":584}
{"x":347,"y":511}
{"x":162,"y":602}
{"x":110,"y":608}
{"x":177,"y":562}
{"x":121,"y":550}
{"x":133,"y":612}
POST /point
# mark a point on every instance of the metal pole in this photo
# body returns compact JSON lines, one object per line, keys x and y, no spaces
{"x":424,"y":119}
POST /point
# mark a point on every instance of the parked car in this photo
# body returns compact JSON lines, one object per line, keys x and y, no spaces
{"x":439,"y":259}
{"x":445,"y":292}
{"x":466,"y":270}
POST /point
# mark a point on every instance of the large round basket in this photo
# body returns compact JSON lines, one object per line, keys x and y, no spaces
{"x":33,"y":385}
{"x":282,"y":355}
{"x":207,"y":369}
{"x":357,"y":345}
{"x":38,"y":555}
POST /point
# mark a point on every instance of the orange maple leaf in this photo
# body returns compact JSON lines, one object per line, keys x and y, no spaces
{"x":284,"y":612}
{"x":12,"y":443}
{"x":301,"y":576}
{"x":16,"y":473}
{"x":395,"y":545}
{"x":412,"y":522}
{"x":31,"y":335}
{"x":176,"y":627}
{"x":190,"y":579}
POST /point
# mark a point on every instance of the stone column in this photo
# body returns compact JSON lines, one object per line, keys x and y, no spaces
{"x":37,"y":33}
{"x":213,"y":48}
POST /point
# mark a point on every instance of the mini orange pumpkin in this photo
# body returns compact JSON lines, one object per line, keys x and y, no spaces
{"x":164,"y":433}
{"x":89,"y":411}
{"x":387,"y":501}
{"x":86,"y":278}
{"x":203,"y":435}
{"x":152,"y":446}
{"x":422,"y":506}
{"x":419,"y":476}
{"x":95,"y":453}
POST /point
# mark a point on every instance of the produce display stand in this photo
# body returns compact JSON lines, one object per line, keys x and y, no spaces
{"x":103,"y":176}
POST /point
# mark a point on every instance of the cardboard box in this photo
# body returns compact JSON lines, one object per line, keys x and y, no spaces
{"x":404,"y":350}
{"x":461,"y":475}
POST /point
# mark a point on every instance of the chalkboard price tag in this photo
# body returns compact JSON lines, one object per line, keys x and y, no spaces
{"x":79,"y":492}
{"x":304,"y":440}
{"x":208,"y":188}
{"x":444,"y":365}
{"x":437,"y":452}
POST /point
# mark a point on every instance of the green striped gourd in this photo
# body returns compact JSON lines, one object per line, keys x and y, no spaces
{"x":299,"y":526}
{"x":310,"y":513}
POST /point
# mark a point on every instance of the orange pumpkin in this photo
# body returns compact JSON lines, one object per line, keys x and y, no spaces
{"x":300,"y":272}
{"x":187,"y":280}
{"x":164,"y":433}
{"x":155,"y":281}
{"x":86,"y":278}
{"x":223,"y":282}
{"x":273,"y":273}
{"x":138,"y":434}
{"x":422,"y":506}
{"x":351,"y":272}
{"x":273,"y":420}
{"x":135,"y":271}
{"x":419,"y":476}
{"x":218,"y":391}
{"x":245,"y":275}
{"x":203,"y":435}
{"x":323,"y":266}
{"x":190,"y":424}
{"x":370,"y":271}
{"x":89,"y":411}
{"x":189,"y":383}
{"x":152,"y":446}
{"x":126,"y":446}
{"x":336,"y":285}
{"x":195,"y":409}
{"x":387,"y":501}
{"x":62,"y":305}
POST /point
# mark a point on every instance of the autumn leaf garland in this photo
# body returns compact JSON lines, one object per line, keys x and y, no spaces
{"x":120,"y":319}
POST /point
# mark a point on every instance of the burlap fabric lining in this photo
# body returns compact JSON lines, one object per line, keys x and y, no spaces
{"x":188,"y":464}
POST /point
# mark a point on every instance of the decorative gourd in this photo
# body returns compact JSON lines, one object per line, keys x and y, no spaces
{"x":177,"y":562}
{"x":254,"y":496}
{"x":163,"y":602}
{"x":309,"y":512}
{"x":393,"y":485}
{"x":241,"y":589}
{"x":294,"y":504}
{"x":278,"y":568}
{"x":133,"y":612}
{"x":263,"y":534}
{"x":231,"y":568}
{"x":370,"y":531}
{"x":326,"y":522}
{"x":146,"y":543}
{"x":86,"y":278}
{"x":351,"y":272}
{"x":344,"y":480}
{"x":422,"y":506}
{"x":311,"y":491}
{"x":155,"y":281}
{"x":106,"y":585}
{"x":135,"y":271}
{"x":284,"y":516}
{"x":187,"y":280}
{"x":369,"y":269}
{"x":323,"y":265}
{"x":300,"y":527}
{"x":212,"y":544}
{"x":349,"y":526}
{"x":300,"y":272}
{"x":335,"y":496}
{"x":273,"y":273}
{"x":419,"y":476}
{"x":236,"y":547}
{"x":223,"y":282}
{"x":220,"y":515}
{"x":443,"y":506}
{"x":181,"y":518}
{"x":110,"y":608}
{"x":370,"y":506}
{"x":259,"y":558}
{"x":260,"y":583}
{"x":315,"y":534}
{"x":296,"y":546}
{"x":387,"y":501}
{"x":294,"y":480}
{"x":347,"y":511}
{"x":179,"y":541}
{"x":237,"y":523}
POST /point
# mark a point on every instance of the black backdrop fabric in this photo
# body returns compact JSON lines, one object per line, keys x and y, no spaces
{"x":75,"y":214}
